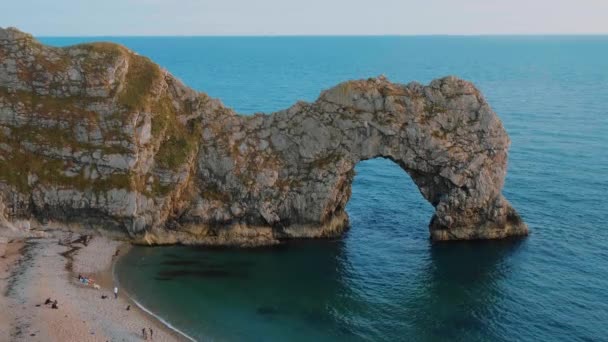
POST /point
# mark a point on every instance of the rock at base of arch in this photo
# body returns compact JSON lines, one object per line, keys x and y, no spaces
{"x":507,"y":223}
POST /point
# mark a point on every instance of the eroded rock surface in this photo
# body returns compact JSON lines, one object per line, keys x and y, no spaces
{"x":98,"y":136}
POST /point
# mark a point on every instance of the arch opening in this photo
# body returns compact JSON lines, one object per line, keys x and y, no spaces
{"x":384,"y":195}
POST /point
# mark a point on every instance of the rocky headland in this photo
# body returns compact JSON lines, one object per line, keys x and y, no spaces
{"x":95,"y":136}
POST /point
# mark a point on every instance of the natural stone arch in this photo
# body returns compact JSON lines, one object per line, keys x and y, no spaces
{"x":293,"y":170}
{"x":98,"y":136}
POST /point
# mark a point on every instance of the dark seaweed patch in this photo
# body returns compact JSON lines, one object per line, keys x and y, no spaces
{"x":179,"y":262}
{"x":207,"y":264}
{"x":267,"y":310}
{"x":215,"y":273}
{"x":205,"y":273}
{"x":163,"y":278}
{"x":243,"y":263}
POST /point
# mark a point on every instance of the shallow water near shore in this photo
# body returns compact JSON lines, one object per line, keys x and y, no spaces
{"x":384,"y":280}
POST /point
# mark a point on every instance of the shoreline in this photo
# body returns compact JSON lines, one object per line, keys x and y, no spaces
{"x":11,"y":253}
{"x":140,"y":306}
{"x":162,"y":321}
{"x":34,"y":269}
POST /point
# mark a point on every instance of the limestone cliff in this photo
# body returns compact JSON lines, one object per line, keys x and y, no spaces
{"x":98,"y":136}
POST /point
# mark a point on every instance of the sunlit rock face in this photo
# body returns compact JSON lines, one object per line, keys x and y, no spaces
{"x":95,"y":135}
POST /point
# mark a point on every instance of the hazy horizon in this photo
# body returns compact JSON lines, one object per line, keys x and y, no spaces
{"x":322,"y":35}
{"x":113,"y":18}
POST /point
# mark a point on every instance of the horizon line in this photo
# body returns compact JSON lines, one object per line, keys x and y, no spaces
{"x":326,"y":35}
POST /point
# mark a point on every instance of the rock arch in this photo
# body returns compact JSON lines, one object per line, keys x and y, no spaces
{"x":98,"y":136}
{"x":292,"y":170}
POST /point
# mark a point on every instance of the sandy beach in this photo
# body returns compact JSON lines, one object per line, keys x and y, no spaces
{"x":34,"y":269}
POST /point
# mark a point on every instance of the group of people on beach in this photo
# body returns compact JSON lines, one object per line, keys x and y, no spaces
{"x":144,"y":333}
{"x":86,"y":280}
{"x":52,"y":302}
{"x":90,"y":281}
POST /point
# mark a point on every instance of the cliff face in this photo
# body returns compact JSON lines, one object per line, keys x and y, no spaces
{"x":98,"y":136}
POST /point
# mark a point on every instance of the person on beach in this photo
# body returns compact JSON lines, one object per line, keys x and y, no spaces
{"x":115,"y":292}
{"x":151,"y":334}
{"x":144,"y":333}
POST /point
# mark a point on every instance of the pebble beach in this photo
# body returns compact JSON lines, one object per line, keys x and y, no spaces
{"x":33,"y":270}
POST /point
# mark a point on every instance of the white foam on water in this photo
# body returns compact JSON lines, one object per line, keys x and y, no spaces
{"x":160,"y":319}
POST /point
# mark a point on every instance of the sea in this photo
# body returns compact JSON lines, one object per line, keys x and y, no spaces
{"x":384,"y":280}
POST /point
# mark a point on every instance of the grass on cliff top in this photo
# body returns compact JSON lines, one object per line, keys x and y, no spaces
{"x":52,"y":59}
{"x":176,"y":141}
{"x":140,"y":79}
{"x":98,"y":56}
{"x":110,"y":50}
{"x":141,"y":75}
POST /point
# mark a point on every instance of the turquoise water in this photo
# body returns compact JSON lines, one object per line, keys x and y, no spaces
{"x":384,"y":281}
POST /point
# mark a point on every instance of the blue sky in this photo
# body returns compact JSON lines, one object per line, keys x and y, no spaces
{"x":308,"y":17}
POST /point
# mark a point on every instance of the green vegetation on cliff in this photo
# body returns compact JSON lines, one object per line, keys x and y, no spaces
{"x":141,"y":77}
{"x":177,"y":141}
{"x":24,"y":170}
{"x":49,"y":132}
